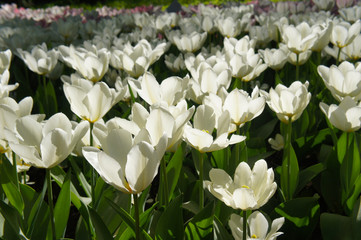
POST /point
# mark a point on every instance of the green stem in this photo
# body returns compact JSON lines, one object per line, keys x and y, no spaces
{"x":165,"y":180}
{"x":137,"y":226}
{"x":244,"y":224}
{"x":92,"y":177}
{"x":288,"y":141}
{"x":347,"y":162}
{"x":338,"y":56}
{"x":297,"y":66}
{"x":50,"y":202}
{"x":15,"y":169}
{"x":24,"y":177}
{"x":201,"y":192}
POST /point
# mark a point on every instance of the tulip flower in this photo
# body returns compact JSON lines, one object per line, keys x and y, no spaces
{"x":346,"y":116}
{"x":325,"y":5}
{"x":249,"y":190}
{"x":274,"y":58}
{"x":4,"y":87}
{"x":129,"y":164}
{"x":187,"y":42}
{"x":39,"y":60}
{"x":258,"y":227}
{"x":200,"y":135}
{"x":5,"y":60}
{"x":174,"y":63}
{"x":242,"y":107}
{"x":342,"y":81}
{"x":45,"y":145}
{"x":229,"y":27}
{"x":136,"y":60}
{"x":90,"y":101}
{"x":92,"y":65}
{"x":288,"y":103}
{"x":353,"y":50}
{"x":277,"y":143}
{"x":171,"y":90}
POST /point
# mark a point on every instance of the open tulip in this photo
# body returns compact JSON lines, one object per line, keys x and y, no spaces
{"x":129,"y":164}
{"x":90,"y":101}
{"x":346,"y":116}
{"x":288,"y":103}
{"x":5,"y":59}
{"x":40,"y":60}
{"x":258,"y":227}
{"x":249,"y":190}
{"x":342,"y":81}
{"x":45,"y":145}
{"x":187,"y":42}
{"x":5,"y":88}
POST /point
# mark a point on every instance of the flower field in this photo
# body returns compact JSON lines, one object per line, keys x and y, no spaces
{"x":231,"y":121}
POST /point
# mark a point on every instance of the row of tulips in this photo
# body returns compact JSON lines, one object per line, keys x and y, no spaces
{"x":158,"y":125}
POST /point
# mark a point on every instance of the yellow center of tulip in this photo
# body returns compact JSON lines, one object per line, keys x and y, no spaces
{"x":254,"y":236}
{"x":206,"y":131}
{"x":245,"y":186}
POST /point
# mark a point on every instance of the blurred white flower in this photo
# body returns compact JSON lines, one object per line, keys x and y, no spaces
{"x":258,"y":227}
{"x":5,"y":60}
{"x":343,"y":33}
{"x":39,"y":60}
{"x":4,"y":87}
{"x":353,"y":50}
{"x":136,"y":60}
{"x":274,"y":58}
{"x":325,"y":5}
{"x":249,"y":190}
{"x":174,"y":63}
{"x":277,"y":143}
{"x":187,"y":42}
{"x":92,"y":63}
{"x":229,"y":27}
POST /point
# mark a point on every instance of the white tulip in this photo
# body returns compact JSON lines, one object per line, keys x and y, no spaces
{"x":90,"y":101}
{"x":346,"y":116}
{"x":249,"y":190}
{"x":342,"y":81}
{"x":191,"y":42}
{"x":275,"y":58}
{"x":129,"y":164}
{"x":4,"y":87}
{"x":288,"y":103}
{"x":45,"y":145}
{"x":344,"y":33}
{"x":39,"y":60}
{"x":258,"y":227}
{"x":5,"y":60}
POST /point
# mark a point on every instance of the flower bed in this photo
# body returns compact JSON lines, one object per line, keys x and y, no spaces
{"x":239,"y":120}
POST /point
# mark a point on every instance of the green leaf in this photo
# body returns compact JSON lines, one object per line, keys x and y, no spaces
{"x":62,"y":207}
{"x":335,"y":227}
{"x":220,"y":232}
{"x":101,"y":229}
{"x":290,"y":174}
{"x":11,"y":216}
{"x":201,"y":225}
{"x":301,"y":216}
{"x":341,"y":147}
{"x":170,"y":223}
{"x":173,"y":170}
{"x":355,"y":194}
{"x":308,"y":174}
{"x":10,"y":187}
{"x":127,"y":218}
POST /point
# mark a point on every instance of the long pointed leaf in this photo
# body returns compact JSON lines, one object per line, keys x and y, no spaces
{"x":62,"y":207}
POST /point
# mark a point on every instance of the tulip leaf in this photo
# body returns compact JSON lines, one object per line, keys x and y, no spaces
{"x":290,"y":173}
{"x":301,"y":216}
{"x":62,"y":207}
{"x":308,"y":174}
{"x":101,"y":230}
{"x":220,"y":232}
{"x":173,"y":170}
{"x":201,"y":225}
{"x":341,"y":147}
{"x":356,"y":191}
{"x":170,"y":223}
{"x":12,"y":218}
{"x":9,"y":187}
{"x":129,"y":220}
{"x":335,"y":227}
